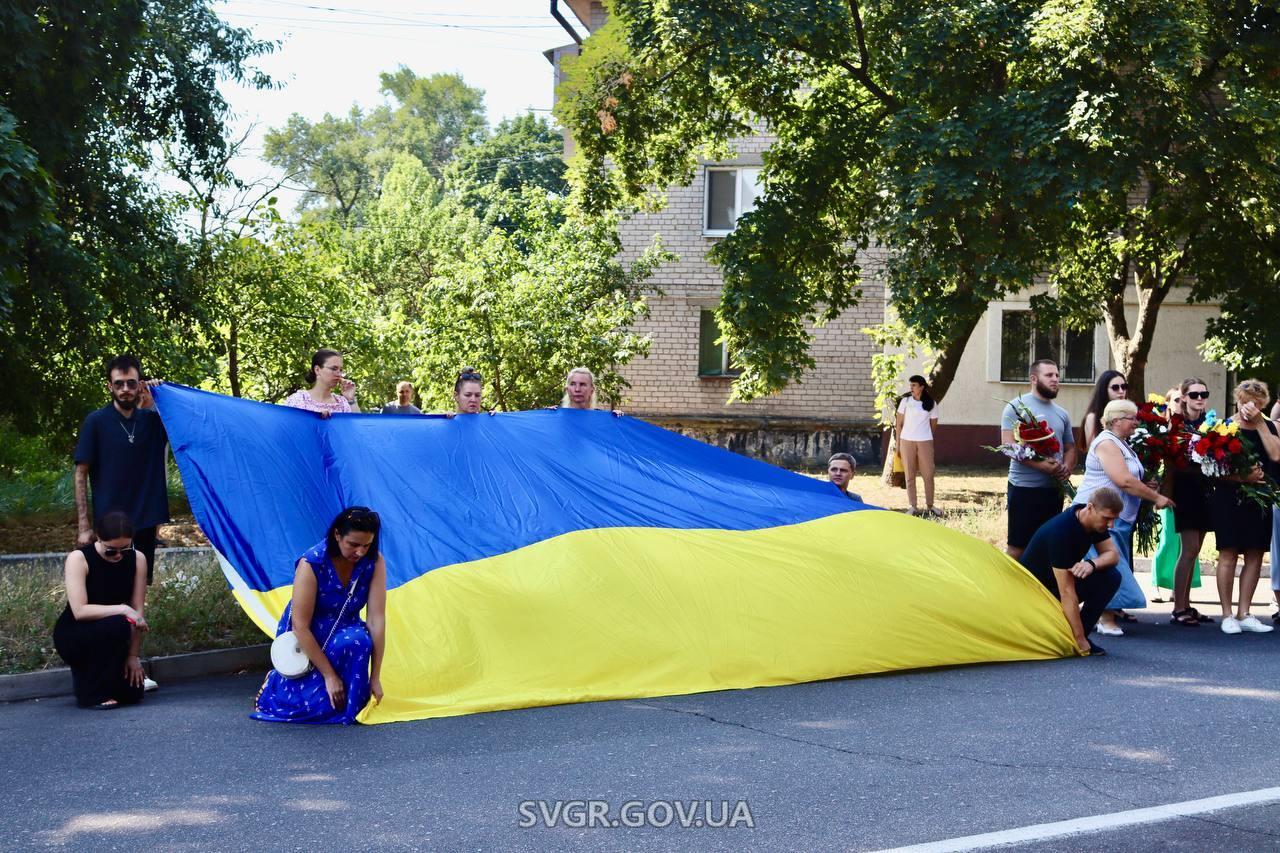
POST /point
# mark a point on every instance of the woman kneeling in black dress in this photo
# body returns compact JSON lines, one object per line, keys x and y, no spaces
{"x":100,"y":631}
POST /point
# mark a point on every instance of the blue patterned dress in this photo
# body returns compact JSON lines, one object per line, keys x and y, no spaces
{"x":304,"y":699}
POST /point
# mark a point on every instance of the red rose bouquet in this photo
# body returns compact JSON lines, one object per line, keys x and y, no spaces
{"x":1033,"y":441}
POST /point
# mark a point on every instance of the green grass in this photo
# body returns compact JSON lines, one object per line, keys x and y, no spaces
{"x":189,"y":609}
{"x":28,"y":494}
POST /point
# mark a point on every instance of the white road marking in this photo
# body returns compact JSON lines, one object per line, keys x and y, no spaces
{"x":1096,"y":823}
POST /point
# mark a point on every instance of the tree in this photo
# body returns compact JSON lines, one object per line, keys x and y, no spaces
{"x":453,"y":291}
{"x":90,"y":254}
{"x":984,"y":143}
{"x":271,"y":298}
{"x":522,"y":151}
{"x":343,"y":160}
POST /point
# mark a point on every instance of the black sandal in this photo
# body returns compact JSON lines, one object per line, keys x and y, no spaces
{"x":1200,"y":617}
{"x":1186,"y":618}
{"x":1121,"y":616}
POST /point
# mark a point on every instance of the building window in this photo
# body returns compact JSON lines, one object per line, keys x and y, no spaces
{"x":713,"y":360}
{"x":1022,"y":343}
{"x":730,"y":192}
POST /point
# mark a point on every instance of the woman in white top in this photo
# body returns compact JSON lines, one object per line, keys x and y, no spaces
{"x":913,"y":427}
{"x":1111,"y":463}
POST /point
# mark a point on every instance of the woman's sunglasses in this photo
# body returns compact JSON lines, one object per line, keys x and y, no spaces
{"x":108,"y":551}
{"x":1198,"y":395}
{"x":1120,"y":386}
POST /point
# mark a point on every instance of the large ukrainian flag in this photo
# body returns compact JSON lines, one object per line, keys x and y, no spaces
{"x":554,"y":556}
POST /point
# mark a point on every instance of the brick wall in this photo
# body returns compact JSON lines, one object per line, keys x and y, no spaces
{"x":667,"y":385}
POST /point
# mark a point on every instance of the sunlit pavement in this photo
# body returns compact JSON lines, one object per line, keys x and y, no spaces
{"x":1172,"y":714}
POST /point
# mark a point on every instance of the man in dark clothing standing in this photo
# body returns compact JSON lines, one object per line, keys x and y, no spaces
{"x":120,"y":459}
{"x":1056,"y":556}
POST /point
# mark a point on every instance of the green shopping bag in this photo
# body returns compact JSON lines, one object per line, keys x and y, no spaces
{"x":1168,"y":549}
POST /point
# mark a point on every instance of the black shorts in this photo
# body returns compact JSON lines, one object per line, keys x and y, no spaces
{"x":1029,"y":508}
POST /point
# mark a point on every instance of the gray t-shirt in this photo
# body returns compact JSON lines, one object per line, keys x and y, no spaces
{"x":397,"y":409}
{"x":1057,"y":419}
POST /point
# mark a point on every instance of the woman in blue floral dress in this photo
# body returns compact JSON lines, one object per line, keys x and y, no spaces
{"x":344,"y":569}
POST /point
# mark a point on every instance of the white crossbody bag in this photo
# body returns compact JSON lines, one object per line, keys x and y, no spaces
{"x":288,"y":658}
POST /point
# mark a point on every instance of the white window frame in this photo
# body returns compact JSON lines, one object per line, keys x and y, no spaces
{"x":737,"y":196}
{"x":995,"y":339}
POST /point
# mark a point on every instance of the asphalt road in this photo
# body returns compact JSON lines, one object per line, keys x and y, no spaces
{"x":1172,"y":714}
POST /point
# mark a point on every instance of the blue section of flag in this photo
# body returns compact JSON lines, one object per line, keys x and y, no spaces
{"x":264,"y":480}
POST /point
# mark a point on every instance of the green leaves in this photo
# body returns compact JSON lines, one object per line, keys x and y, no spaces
{"x":985,"y":144}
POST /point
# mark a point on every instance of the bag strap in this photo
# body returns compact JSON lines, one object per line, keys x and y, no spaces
{"x":355,"y":577}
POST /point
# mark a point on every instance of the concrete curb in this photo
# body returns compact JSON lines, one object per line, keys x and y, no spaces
{"x":57,"y":682}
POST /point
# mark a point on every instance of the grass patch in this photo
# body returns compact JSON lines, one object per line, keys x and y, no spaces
{"x":189,"y":609}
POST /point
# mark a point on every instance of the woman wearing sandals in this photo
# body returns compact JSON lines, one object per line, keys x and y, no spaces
{"x":913,"y":427}
{"x":1110,"y":463}
{"x":100,"y":632}
{"x":332,"y":583}
{"x":1241,"y":527}
{"x":1191,"y":519}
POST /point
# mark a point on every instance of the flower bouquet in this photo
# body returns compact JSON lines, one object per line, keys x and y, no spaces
{"x":1160,"y":441}
{"x":1033,"y":441}
{"x":1218,"y":451}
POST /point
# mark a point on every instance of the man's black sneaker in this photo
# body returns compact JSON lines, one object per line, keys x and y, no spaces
{"x":1096,"y":650}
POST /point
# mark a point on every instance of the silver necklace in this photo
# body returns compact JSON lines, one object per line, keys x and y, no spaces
{"x":129,"y":433}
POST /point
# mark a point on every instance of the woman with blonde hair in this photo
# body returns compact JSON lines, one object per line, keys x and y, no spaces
{"x":1243,"y":528}
{"x":1110,"y":463}
{"x":579,"y":390}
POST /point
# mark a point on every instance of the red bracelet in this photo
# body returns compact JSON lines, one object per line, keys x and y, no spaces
{"x":131,"y":621}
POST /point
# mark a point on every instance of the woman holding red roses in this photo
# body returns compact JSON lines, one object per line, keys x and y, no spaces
{"x":1242,"y":527}
{"x":1191,"y":519}
{"x":1111,"y":463}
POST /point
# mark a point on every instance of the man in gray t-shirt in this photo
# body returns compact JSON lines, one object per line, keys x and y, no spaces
{"x":404,"y":401}
{"x":1033,"y":494}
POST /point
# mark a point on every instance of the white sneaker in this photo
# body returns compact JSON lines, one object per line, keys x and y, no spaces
{"x":148,"y":685}
{"x":1109,"y":630}
{"x":1253,"y":626}
{"x":1231,"y":625}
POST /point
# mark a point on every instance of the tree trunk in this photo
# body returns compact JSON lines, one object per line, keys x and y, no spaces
{"x":233,"y":357}
{"x":944,"y":369}
{"x":1132,"y":348}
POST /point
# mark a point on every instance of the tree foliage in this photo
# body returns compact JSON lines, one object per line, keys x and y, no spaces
{"x":525,"y":151}
{"x":342,"y":160}
{"x":90,"y":261}
{"x":985,"y":143}
{"x":523,"y":307}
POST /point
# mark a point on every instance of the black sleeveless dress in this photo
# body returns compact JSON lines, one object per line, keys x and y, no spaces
{"x":96,"y":649}
{"x":1238,"y":523}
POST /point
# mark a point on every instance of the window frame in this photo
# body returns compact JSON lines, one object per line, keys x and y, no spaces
{"x":727,"y":370}
{"x":740,"y":170}
{"x":995,"y":346}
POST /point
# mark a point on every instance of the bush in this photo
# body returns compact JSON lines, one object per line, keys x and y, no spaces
{"x":189,"y":609}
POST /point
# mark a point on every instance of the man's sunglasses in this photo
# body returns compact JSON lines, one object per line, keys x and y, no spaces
{"x":120,"y":384}
{"x":1198,"y":395}
{"x":1121,"y":386}
{"x":108,"y":551}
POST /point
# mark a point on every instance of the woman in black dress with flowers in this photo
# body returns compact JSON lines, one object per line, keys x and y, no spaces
{"x":1191,"y":518}
{"x":1242,"y":527}
{"x":100,"y":632}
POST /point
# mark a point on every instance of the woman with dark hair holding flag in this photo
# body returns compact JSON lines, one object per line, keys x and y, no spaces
{"x":332,"y":583}
{"x":913,"y":427}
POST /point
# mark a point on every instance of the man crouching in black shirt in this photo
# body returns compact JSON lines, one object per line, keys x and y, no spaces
{"x":1056,"y":556}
